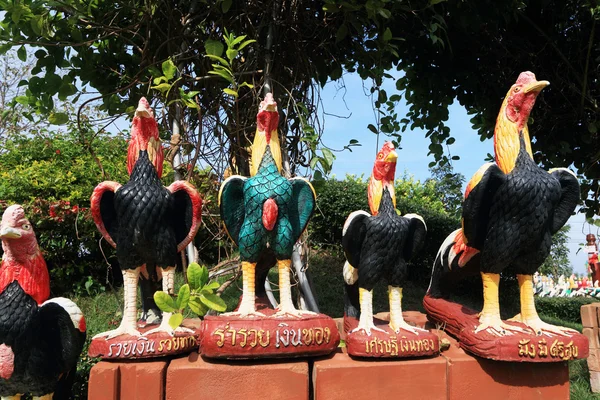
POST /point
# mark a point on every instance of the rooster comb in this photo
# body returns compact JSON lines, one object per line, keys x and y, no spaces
{"x":13,"y":214}
{"x":525,"y":78}
{"x":268,"y":103}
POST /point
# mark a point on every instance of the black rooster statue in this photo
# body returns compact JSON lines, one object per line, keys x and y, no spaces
{"x":378,"y":246}
{"x":40,"y":339}
{"x":511,"y":210}
{"x":147,"y":223}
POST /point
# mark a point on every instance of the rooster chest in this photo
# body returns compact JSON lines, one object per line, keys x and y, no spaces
{"x":262,"y":187}
{"x":142,"y":208}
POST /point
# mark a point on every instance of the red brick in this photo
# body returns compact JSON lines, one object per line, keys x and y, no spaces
{"x":592,"y":335}
{"x":471,"y":377}
{"x":595,"y":381}
{"x":193,"y":377}
{"x":344,"y":378}
{"x":104,"y":382}
{"x":593,"y":360}
{"x":134,"y":380}
{"x":589,"y":315}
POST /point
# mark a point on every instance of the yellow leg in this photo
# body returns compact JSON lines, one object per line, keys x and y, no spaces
{"x":396,"y":319}
{"x":248,"y":304}
{"x":365,"y":322}
{"x":529,"y":315}
{"x":489,"y":319}
{"x":286,"y":305}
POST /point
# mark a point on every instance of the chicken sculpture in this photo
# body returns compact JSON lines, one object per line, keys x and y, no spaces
{"x":266,"y":211}
{"x":511,"y":210}
{"x":40,"y":339}
{"x":147,"y":223}
{"x":378,"y":246}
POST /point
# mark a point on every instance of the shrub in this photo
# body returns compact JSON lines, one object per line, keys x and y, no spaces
{"x":563,"y":308}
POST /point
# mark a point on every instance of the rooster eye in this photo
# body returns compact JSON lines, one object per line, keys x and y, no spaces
{"x":26,"y":227}
{"x":380,"y":156}
{"x":517,"y":89}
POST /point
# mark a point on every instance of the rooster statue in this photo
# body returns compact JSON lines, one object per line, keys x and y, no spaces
{"x":40,"y":339}
{"x":266,"y":211}
{"x":147,"y":223}
{"x":511,"y":210}
{"x":379,"y":245}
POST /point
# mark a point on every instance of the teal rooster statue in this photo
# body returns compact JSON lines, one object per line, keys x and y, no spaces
{"x":266,"y":212}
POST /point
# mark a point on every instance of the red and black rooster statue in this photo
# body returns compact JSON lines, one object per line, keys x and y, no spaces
{"x":511,"y":210}
{"x":40,"y":339}
{"x":147,"y":223}
{"x":378,"y":246}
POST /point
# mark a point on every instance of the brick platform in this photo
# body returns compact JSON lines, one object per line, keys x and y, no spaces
{"x":196,"y":378}
{"x":141,"y":380}
{"x":454,"y":375}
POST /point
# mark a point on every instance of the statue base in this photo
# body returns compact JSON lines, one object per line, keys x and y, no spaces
{"x":461,"y":322}
{"x":160,"y":344}
{"x":388,"y":344}
{"x":233,"y":337}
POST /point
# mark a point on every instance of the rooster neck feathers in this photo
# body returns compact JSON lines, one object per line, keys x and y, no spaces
{"x":266,"y":136}
{"x":382,"y":178}
{"x":512,"y":120}
{"x":145,"y":137}
{"x":22,"y":261}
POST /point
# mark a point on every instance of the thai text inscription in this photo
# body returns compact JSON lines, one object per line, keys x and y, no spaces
{"x":282,"y":337}
{"x":394,"y":346}
{"x":542,"y":349}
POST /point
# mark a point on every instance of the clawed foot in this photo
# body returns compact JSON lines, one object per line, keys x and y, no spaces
{"x":245,"y":311}
{"x":541,"y":328}
{"x":121,"y":330}
{"x":290,"y":311}
{"x":397,"y":327}
{"x":166,"y":328}
{"x":494,"y":325}
{"x":367,"y":327}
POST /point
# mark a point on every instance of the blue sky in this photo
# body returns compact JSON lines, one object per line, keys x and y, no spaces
{"x":354,"y":103}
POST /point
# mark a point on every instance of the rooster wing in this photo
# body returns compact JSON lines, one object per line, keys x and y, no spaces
{"x":104,"y":214}
{"x":188,"y":212}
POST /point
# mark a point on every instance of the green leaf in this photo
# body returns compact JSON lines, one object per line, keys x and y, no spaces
{"x":341,"y":33}
{"x":164,"y":302}
{"x":169,"y":69}
{"x":328,"y":156}
{"x":387,"y":35}
{"x":183,"y":297}
{"x":231,"y":54}
{"x":197,"y":306}
{"x":22,"y":100}
{"x":58,"y":118}
{"x":66,"y":90}
{"x":385,"y":13}
{"x":163,"y":87}
{"x":223,"y":75}
{"x":219,"y":59}
{"x":246,"y":43}
{"x":372,"y":128}
{"x":194,"y":276}
{"x":22,"y":53}
{"x":434,"y":2}
{"x":204,"y":276}
{"x":226,"y":5}
{"x":37,"y":24}
{"x":214,"y":285}
{"x":213,"y":48}
{"x":230,"y":92}
{"x":213,"y":302}
{"x":175,"y":320}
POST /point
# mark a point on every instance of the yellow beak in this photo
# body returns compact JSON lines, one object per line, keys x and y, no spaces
{"x":9,"y":233}
{"x":391,"y":157}
{"x":536,"y":86}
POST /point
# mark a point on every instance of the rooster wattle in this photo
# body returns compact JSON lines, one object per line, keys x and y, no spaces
{"x":40,"y":339}
{"x":147,"y":223}
{"x":511,"y":210}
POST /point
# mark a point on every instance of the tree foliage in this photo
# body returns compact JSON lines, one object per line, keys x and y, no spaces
{"x":470,"y":51}
{"x":448,"y":185}
{"x":558,"y":263}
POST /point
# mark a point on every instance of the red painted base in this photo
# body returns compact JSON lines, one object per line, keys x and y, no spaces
{"x":461,"y":322}
{"x":232,"y":337}
{"x":389,"y":344}
{"x":128,"y":347}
